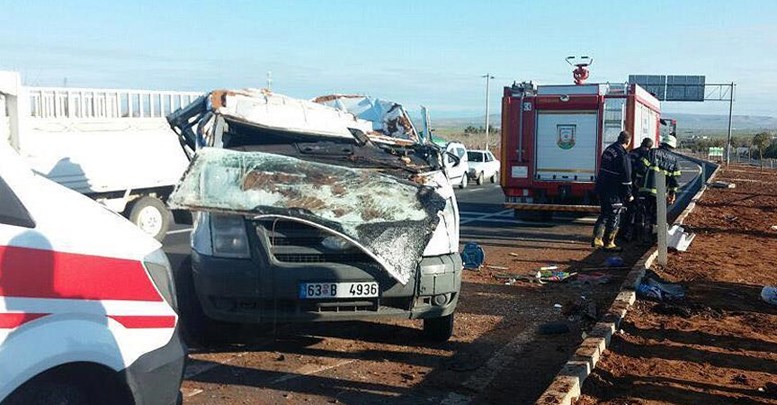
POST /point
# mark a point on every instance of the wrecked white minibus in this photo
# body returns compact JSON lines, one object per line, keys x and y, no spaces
{"x":323,"y":210}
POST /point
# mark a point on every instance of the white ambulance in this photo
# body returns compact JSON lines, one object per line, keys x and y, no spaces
{"x":87,"y":307}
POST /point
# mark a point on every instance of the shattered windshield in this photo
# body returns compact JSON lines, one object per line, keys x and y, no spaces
{"x":389,"y":217}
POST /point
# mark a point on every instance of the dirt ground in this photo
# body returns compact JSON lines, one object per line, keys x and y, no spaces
{"x":719,"y":346}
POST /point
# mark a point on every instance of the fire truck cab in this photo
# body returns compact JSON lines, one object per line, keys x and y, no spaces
{"x":554,"y":135}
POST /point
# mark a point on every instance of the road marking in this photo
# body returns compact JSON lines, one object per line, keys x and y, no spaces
{"x":502,"y":359}
{"x":194,"y":369}
{"x":179,"y":231}
{"x":188,"y":393}
{"x":309,"y":369}
{"x":495,"y":214}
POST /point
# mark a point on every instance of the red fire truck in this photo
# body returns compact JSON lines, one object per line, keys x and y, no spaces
{"x":553,"y":136}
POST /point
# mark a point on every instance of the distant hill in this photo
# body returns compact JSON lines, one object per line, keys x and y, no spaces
{"x":685,"y":122}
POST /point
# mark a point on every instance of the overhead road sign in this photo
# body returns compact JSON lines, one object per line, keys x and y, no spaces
{"x":672,"y":87}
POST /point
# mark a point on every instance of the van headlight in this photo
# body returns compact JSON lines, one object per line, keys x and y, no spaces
{"x":229,"y":237}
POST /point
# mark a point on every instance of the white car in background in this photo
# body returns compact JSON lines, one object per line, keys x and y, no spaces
{"x":482,"y":165}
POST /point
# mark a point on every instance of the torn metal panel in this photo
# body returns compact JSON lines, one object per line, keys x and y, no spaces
{"x":388,"y":217}
{"x":387,"y":117}
{"x":265,"y":109}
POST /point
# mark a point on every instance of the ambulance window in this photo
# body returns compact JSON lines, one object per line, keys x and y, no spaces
{"x":12,"y":211}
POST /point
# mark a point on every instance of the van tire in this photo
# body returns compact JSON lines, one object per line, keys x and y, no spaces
{"x":49,"y":393}
{"x":480,"y":178}
{"x":464,"y":181}
{"x":80,"y":383}
{"x":150,"y":215}
{"x":495,"y":177}
{"x":439,"y":329}
{"x":196,"y":327}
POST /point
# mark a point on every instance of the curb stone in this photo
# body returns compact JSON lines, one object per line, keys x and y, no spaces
{"x":566,"y":387}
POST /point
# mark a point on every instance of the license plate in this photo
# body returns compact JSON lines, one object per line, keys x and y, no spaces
{"x":365,"y":289}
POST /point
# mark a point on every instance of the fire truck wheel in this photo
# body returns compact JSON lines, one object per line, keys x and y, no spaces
{"x":495,"y":177}
{"x":464,"y":181}
{"x":150,"y":215}
{"x":481,"y":177}
{"x":196,"y":327}
{"x":439,"y":329}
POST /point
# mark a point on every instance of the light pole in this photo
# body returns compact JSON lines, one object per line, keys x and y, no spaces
{"x":488,"y":81}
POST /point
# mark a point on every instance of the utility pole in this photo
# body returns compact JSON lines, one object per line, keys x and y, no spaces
{"x":269,"y":80}
{"x":488,"y":82}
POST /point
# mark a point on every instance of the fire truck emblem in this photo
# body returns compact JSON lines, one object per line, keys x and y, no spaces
{"x":566,"y":136}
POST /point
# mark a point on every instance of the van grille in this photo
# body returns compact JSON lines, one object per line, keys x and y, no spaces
{"x":294,"y":242}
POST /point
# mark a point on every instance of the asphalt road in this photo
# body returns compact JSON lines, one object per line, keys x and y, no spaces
{"x":269,"y":370}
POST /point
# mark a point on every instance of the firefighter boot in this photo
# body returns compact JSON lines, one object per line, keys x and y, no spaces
{"x":610,"y":241}
{"x":598,"y":241}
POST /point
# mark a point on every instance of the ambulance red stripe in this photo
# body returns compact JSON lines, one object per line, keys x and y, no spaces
{"x":16,"y":319}
{"x":142,"y":321}
{"x":39,"y":273}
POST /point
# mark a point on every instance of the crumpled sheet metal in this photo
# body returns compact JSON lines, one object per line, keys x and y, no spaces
{"x":389,"y":218}
{"x":388,"y":118}
{"x":270,"y":110}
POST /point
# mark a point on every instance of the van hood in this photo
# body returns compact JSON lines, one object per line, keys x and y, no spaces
{"x":389,"y":218}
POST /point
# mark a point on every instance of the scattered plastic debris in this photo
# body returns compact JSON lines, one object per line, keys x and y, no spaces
{"x":613,"y":261}
{"x":678,"y":239}
{"x":497,"y":267}
{"x":769,"y":294}
{"x":559,"y":306}
{"x":473,"y":256}
{"x":550,"y":267}
{"x":774,"y":227}
{"x":722,"y":184}
{"x":655,"y":288}
{"x":550,"y":275}
{"x":593,"y":278}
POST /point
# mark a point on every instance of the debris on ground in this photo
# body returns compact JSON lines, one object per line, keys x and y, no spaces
{"x":722,"y":184}
{"x":593,"y":278}
{"x":473,"y":256}
{"x":497,"y":267}
{"x":655,"y":288}
{"x":769,"y":294}
{"x":678,"y":239}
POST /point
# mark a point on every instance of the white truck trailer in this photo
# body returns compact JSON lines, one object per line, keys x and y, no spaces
{"x":112,"y":145}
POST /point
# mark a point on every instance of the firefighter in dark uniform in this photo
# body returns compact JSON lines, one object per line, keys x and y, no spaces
{"x":658,"y":160}
{"x":613,"y":187}
{"x":635,"y":212}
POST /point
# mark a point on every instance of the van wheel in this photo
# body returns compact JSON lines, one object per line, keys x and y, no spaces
{"x":196,"y":327}
{"x":480,"y":179}
{"x":150,"y":215}
{"x":439,"y":329}
{"x":495,"y":177}
{"x":49,"y":393}
{"x":464,"y":181}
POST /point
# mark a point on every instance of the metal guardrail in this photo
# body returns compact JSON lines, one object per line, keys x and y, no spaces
{"x":86,"y":103}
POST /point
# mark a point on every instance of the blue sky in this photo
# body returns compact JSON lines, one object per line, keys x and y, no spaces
{"x":415,"y":52}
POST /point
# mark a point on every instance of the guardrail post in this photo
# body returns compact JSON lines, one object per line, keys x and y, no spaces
{"x":661,"y":217}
